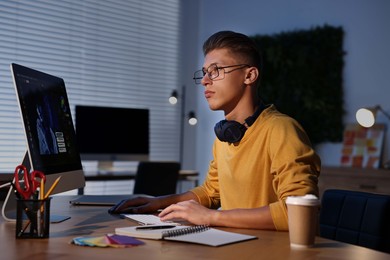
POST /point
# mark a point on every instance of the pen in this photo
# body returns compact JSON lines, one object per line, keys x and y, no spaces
{"x":52,"y":187}
{"x":150,"y":227}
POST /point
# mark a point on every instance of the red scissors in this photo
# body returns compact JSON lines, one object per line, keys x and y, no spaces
{"x":31,"y":182}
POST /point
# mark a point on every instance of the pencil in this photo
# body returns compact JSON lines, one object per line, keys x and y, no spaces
{"x":52,"y":187}
{"x":42,"y":190}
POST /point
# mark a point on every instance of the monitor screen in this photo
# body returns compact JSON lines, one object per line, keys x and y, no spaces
{"x":112,"y":133}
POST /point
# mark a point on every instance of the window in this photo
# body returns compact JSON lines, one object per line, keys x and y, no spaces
{"x":110,"y":53}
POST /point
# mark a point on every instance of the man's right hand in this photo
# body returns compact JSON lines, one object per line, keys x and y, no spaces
{"x":149,"y":205}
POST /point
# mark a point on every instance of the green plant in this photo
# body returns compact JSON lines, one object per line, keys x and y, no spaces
{"x":302,"y":76}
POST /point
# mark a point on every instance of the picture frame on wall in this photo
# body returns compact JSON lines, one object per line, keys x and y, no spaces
{"x":363,"y":147}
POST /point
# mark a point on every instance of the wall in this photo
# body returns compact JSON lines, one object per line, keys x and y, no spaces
{"x":189,"y":62}
{"x":367,"y":38}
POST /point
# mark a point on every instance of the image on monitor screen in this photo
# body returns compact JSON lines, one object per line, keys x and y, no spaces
{"x":50,"y":135}
{"x":109,"y":134}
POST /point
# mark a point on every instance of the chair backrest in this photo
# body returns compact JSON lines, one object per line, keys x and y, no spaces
{"x":358,"y":218}
{"x":156,"y":178}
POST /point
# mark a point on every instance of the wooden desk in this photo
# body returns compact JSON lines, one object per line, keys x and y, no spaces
{"x":95,"y":221}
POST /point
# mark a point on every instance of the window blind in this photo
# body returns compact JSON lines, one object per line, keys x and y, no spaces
{"x":110,"y":53}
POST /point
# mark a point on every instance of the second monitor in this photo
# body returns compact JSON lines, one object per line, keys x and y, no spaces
{"x":108,"y":134}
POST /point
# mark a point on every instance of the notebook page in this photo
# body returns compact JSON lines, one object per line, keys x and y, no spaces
{"x":148,"y":219}
{"x":212,"y":237}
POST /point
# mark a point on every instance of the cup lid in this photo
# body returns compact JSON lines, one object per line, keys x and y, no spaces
{"x":306,"y":200}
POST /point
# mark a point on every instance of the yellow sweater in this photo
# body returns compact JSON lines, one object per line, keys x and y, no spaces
{"x":273,"y":160}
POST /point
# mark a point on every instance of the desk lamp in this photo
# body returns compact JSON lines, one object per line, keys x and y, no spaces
{"x":366,"y":116}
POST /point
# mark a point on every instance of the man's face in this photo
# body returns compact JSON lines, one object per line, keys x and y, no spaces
{"x":225,"y":91}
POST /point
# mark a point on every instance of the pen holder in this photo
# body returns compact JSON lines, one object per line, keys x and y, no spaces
{"x":32,"y":218}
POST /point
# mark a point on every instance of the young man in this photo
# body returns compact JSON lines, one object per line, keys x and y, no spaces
{"x":260,"y":155}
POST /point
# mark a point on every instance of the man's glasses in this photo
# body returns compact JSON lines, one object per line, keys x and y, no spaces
{"x":212,"y":71}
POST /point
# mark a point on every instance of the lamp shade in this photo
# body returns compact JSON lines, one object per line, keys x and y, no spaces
{"x":366,"y":116}
{"x":192,"y":120}
{"x":173,"y":98}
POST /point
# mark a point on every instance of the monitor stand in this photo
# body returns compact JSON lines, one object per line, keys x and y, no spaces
{"x":105,"y":167}
{"x":8,"y":211}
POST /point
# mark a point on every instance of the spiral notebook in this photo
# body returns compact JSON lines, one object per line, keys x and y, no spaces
{"x":192,"y":234}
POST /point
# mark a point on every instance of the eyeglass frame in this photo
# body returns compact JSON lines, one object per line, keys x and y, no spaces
{"x":199,"y":79}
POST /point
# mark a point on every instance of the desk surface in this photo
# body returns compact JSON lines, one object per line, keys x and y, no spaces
{"x":95,"y":221}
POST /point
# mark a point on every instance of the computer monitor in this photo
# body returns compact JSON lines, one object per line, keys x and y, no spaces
{"x":109,"y":134}
{"x":51,"y":139}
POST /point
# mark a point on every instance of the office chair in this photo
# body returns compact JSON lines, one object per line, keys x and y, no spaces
{"x":156,"y":178}
{"x":358,"y":218}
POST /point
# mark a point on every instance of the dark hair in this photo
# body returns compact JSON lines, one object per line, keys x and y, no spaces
{"x":240,"y":45}
{"x":237,"y":43}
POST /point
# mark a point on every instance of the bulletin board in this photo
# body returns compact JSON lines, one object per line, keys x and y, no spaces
{"x":362,"y":147}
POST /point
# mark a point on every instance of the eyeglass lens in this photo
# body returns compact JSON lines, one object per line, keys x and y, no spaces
{"x":212,"y":72}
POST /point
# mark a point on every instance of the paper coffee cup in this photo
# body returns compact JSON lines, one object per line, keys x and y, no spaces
{"x":302,"y":220}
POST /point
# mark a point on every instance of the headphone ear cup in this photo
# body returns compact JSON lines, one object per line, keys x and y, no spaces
{"x":229,"y":131}
{"x":218,"y":130}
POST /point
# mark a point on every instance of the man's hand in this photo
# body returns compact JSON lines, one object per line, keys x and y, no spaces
{"x":190,"y":211}
{"x":138,"y":205}
{"x":147,"y":205}
{"x":193,"y":212}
